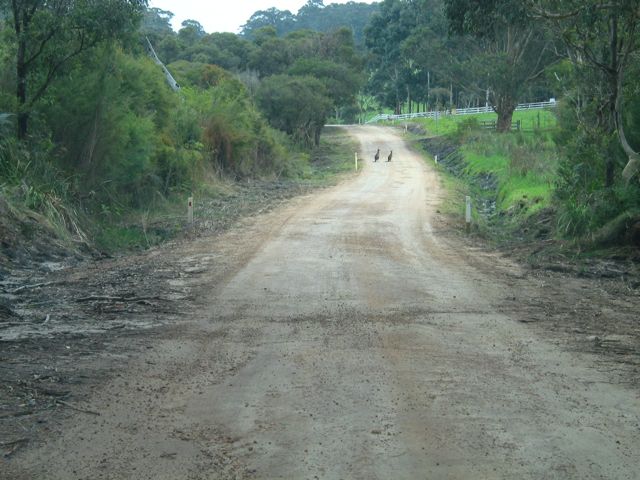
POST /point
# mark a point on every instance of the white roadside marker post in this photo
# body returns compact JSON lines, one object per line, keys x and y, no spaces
{"x":190,"y":211}
{"x":435,"y":159}
{"x":468,"y":213}
{"x":356,"y":161}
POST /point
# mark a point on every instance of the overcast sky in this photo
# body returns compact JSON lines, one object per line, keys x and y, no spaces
{"x":226,"y":15}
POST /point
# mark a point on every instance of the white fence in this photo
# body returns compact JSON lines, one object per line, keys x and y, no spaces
{"x":460,"y":111}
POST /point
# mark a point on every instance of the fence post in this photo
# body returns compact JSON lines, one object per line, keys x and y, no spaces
{"x":467,"y":215}
{"x":190,"y":211}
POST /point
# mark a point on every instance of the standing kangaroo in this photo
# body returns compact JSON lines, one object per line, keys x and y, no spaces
{"x":390,"y":155}
{"x":375,"y":159}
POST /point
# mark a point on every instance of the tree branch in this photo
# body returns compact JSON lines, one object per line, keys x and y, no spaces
{"x":53,"y":70}
{"x":43,"y":43}
{"x":540,"y":12}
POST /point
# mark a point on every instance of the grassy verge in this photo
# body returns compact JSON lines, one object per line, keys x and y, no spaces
{"x":36,"y":199}
{"x":510,"y":178}
{"x":524,"y":167}
{"x":333,"y":158}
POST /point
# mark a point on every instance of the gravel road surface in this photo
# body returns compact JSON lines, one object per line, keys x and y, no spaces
{"x":345,"y":336}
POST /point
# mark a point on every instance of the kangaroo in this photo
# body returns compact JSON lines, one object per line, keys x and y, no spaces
{"x":377,"y":157}
{"x":390,"y":155}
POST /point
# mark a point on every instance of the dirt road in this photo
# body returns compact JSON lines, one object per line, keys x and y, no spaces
{"x":344,"y":337}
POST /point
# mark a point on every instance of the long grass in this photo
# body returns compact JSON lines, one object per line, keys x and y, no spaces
{"x":524,"y":166}
{"x":530,"y":120}
{"x":29,"y":183}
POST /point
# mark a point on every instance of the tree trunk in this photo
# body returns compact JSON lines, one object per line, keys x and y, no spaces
{"x":21,"y":89}
{"x":616,"y":85}
{"x":504,"y":106}
{"x":505,"y":119}
{"x":23,"y":123}
{"x":632,"y":167}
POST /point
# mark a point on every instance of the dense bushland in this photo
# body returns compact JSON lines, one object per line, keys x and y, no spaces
{"x":98,"y":138}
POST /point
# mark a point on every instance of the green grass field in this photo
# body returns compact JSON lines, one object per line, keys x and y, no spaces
{"x":530,"y":119}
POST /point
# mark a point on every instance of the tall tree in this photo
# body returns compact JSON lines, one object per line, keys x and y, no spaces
{"x":50,"y":33}
{"x":296,"y":105}
{"x":282,"y":20}
{"x":191,"y":32}
{"x":384,"y":36}
{"x":314,"y":15}
{"x":602,"y":36}
{"x":156,"y":24}
{"x":507,"y":52}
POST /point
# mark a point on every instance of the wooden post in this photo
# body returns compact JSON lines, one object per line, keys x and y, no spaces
{"x":467,"y":215}
{"x":190,"y":211}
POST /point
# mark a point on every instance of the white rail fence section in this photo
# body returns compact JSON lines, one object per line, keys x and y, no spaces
{"x":460,"y":111}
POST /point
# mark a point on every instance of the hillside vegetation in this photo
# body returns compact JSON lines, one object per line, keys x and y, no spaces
{"x":99,"y":150}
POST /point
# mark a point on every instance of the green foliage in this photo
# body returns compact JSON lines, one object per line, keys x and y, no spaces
{"x":271,"y":58}
{"x":455,"y":53}
{"x":49,"y":35}
{"x":281,"y":21}
{"x":467,"y":126}
{"x":341,"y":83}
{"x":384,"y":37}
{"x":524,"y":166}
{"x":313,"y":16}
{"x":295,"y":105}
{"x":30,"y":183}
{"x":112,"y":117}
{"x":201,"y":75}
{"x":601,"y":41}
{"x":585,"y":204}
{"x":110,"y":139}
{"x":485,"y":18}
{"x":156,"y":24}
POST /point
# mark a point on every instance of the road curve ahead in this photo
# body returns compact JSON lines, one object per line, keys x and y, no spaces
{"x":356,"y":343}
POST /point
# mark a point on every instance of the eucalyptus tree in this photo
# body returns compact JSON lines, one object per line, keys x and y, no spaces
{"x":283,"y":21}
{"x":49,"y":34}
{"x":296,"y":105}
{"x":384,"y":36}
{"x":503,"y":50}
{"x":602,"y":37}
